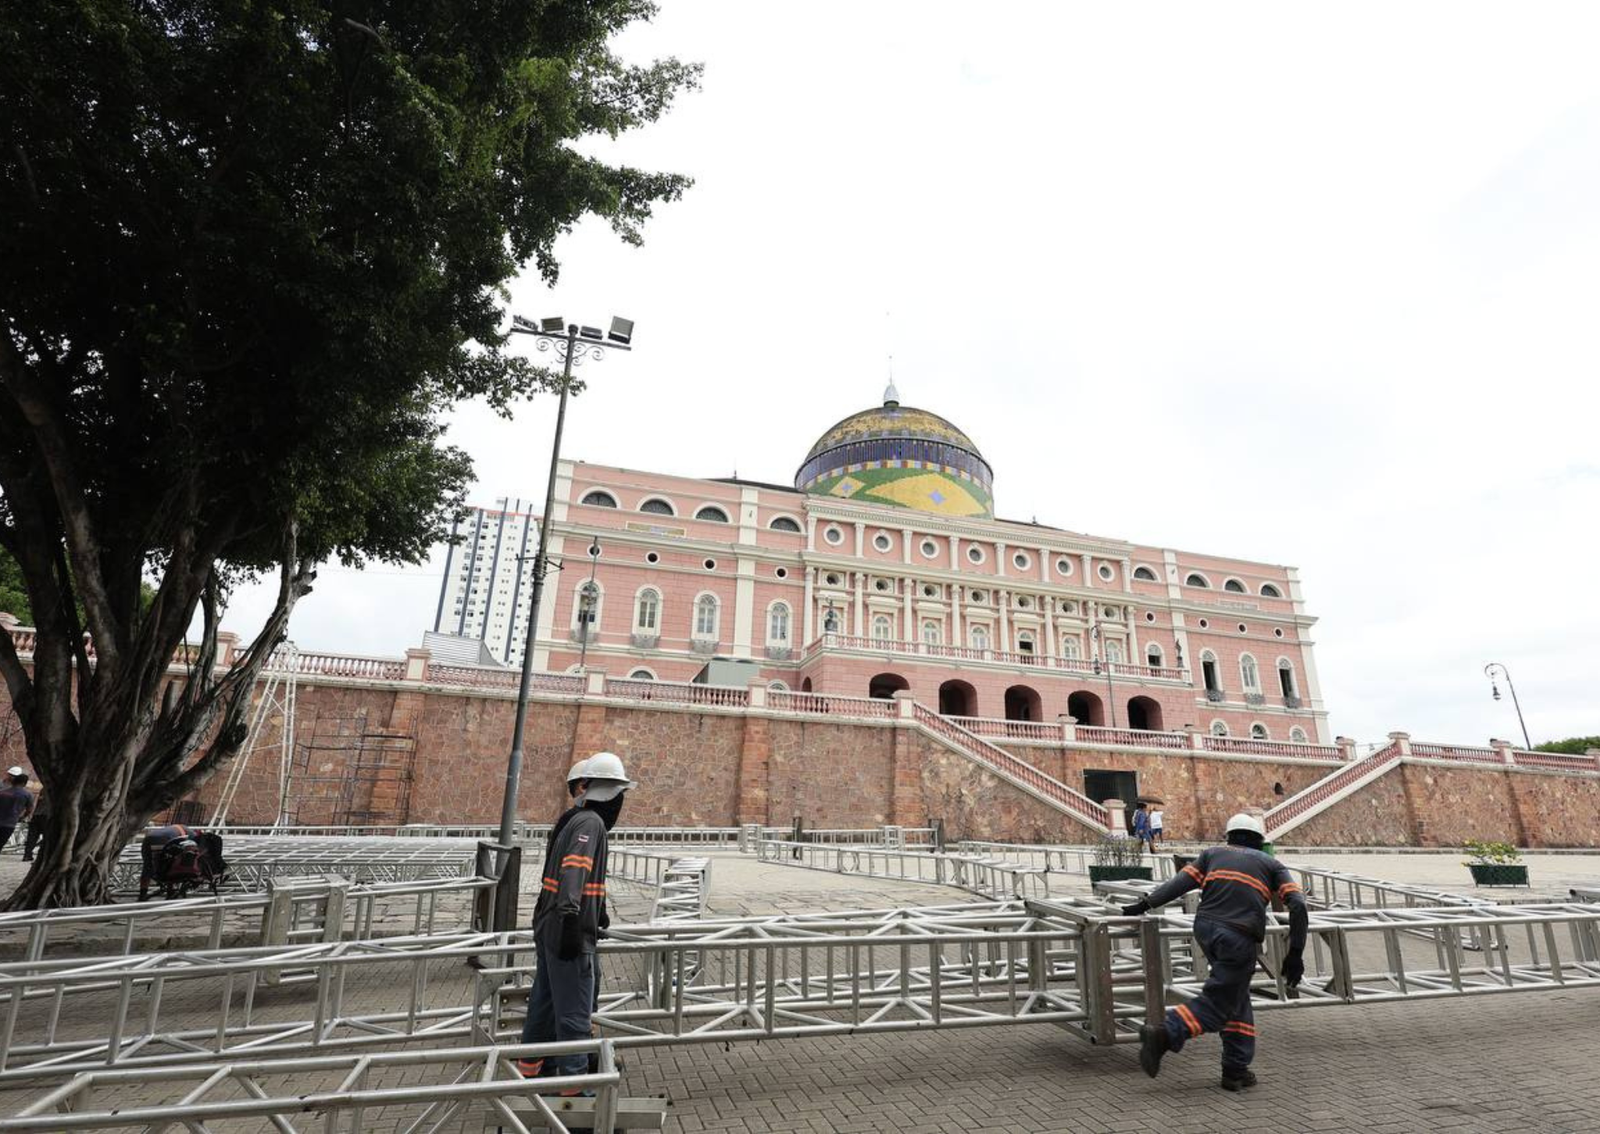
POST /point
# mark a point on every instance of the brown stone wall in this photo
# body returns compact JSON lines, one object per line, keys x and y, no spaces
{"x":1557,"y":810}
{"x":1201,"y":791}
{"x":975,"y":804}
{"x":831,"y":774}
{"x":687,"y":765}
{"x":1375,"y":816}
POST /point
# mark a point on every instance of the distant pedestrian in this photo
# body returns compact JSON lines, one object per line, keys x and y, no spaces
{"x":36,"y":825}
{"x":16,"y":803}
{"x":1156,"y":816}
{"x":1141,"y":826}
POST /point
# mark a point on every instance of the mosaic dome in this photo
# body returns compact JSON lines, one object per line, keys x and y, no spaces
{"x":900,"y":456}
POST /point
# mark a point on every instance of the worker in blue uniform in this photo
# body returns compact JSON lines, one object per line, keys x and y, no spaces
{"x":1237,"y":884}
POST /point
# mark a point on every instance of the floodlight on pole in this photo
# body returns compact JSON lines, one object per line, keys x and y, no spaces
{"x":557,"y":335}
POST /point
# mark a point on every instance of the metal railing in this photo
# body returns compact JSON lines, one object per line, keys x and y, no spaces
{"x":987,"y":877}
{"x":1060,"y":858}
{"x":426,"y":1089}
{"x":253,"y":860}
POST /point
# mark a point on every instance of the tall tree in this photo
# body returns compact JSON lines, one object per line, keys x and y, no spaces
{"x":1571,"y":746}
{"x":251,"y":250}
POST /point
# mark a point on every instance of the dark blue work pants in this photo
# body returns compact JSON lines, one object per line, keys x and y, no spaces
{"x":560,"y":1005}
{"x":1224,"y":1003}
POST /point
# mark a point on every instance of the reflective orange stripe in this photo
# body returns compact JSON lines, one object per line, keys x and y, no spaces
{"x":1289,"y":888}
{"x":1195,"y":874}
{"x":1240,"y":1027}
{"x":1189,"y":1019}
{"x":1234,"y":876}
{"x":594,"y":888}
{"x":577,"y":860}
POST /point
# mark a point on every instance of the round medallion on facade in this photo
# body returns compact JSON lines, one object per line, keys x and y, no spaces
{"x":900,"y":456}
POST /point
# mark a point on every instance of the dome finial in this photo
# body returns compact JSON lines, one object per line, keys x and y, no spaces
{"x":891,"y":396}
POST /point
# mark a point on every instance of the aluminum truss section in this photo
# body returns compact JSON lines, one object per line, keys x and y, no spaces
{"x":406,"y":1091}
{"x":372,"y":858}
{"x":680,"y":883}
{"x":987,"y":877}
{"x":1057,"y":858}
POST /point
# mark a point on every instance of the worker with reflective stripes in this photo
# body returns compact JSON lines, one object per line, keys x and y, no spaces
{"x":567,"y":917}
{"x":1237,"y":884}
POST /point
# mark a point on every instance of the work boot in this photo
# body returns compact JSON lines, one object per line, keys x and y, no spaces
{"x":1152,"y":1046}
{"x":1238,"y":1080}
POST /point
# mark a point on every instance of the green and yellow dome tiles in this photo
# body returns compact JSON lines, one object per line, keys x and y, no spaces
{"x":900,"y":456}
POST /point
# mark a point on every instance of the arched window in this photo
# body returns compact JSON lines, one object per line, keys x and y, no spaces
{"x":1208,"y":670}
{"x":1270,"y":590}
{"x":1286,"y":684}
{"x":1025,"y":643}
{"x":642,"y":675}
{"x":1219,"y":728}
{"x":1071,"y":648}
{"x":1113,"y":651}
{"x":705,"y":616}
{"x":1196,"y":579}
{"x":778,"y":623}
{"x":830,"y":621}
{"x":599,"y":499}
{"x":1235,"y":586}
{"x":712,"y":514}
{"x":980,"y":637}
{"x":784,"y":524}
{"x":882,"y":627}
{"x":647,"y":611}
{"x":658,"y":507}
{"x":1249,"y":676}
{"x":1297,"y":734}
{"x":586,"y":611}
{"x":1153,"y":656}
{"x":1258,"y":731}
{"x":932,"y":632}
{"x":1145,"y":575}
{"x":778,"y":686}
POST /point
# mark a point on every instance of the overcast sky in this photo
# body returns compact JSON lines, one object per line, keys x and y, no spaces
{"x":1311,"y":285}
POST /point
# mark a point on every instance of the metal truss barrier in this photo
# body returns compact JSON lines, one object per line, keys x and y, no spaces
{"x":408,"y":1091}
{"x":1069,"y":961}
{"x":292,"y":910}
{"x":680,"y":883}
{"x":1058,"y":858}
{"x":252,"y":861}
{"x":991,"y":878}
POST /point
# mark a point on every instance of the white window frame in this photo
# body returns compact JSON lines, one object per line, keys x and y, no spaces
{"x":611,"y":496}
{"x":1277,"y":591}
{"x":972,"y":637}
{"x":1297,"y":735}
{"x":886,"y":621}
{"x":1294,"y":679}
{"x":788,"y":623}
{"x":716,"y":618}
{"x":1155,"y":576}
{"x":1204,"y":584}
{"x":1072,"y":647}
{"x":1249,"y":679}
{"x":639,"y":599}
{"x":937,"y":629}
{"x":1219,"y":727}
{"x":1266,"y":733}
{"x":799,"y":528}
{"x":599,"y":602}
{"x":1240,"y":590}
{"x":726,"y":517}
{"x":649,"y":674}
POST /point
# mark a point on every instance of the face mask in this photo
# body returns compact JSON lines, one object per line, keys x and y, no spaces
{"x":608,"y":811}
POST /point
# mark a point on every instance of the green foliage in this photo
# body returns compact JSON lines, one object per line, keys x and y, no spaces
{"x":1118,"y":850}
{"x":1487,"y":853}
{"x":14,"y":590}
{"x":1572,"y":746}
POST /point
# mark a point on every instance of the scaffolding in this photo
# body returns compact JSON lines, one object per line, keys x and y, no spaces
{"x":278,"y":694}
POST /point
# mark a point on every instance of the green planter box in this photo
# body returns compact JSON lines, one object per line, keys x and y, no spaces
{"x":1498,"y":874}
{"x":1119,"y":873}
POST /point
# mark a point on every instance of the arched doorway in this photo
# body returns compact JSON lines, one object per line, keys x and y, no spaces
{"x":958,"y":699}
{"x":805,"y":685}
{"x":1086,"y":708}
{"x":885,"y":685}
{"x":1144,"y":713}
{"x":1023,"y":704}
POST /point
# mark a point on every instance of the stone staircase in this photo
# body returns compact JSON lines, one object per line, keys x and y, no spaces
{"x":1337,"y":785}
{"x":1019,"y":773}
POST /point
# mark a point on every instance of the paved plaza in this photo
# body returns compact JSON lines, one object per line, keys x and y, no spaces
{"x":1490,"y":1063}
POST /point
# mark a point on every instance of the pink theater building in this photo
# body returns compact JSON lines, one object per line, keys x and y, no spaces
{"x":884,"y":569}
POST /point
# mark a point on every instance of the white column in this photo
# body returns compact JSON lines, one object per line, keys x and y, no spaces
{"x":811,"y":603}
{"x":1127,"y":575}
{"x":1004,"y":643}
{"x":861,"y":538}
{"x":955,"y":553}
{"x":1047,"y":604}
{"x":956,"y":638}
{"x":744,"y":601}
{"x":860,"y":630}
{"x":907,"y":630}
{"x":905,"y":545}
{"x":1088,"y":574}
{"x":1000,"y":559}
{"x":1044,"y":565}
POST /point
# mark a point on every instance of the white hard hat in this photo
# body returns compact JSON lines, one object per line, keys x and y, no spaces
{"x":1243,"y":822}
{"x":607,"y":777}
{"x":577,"y":772}
{"x":14,"y":770}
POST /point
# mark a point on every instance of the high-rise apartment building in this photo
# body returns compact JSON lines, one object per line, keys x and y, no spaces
{"x":488,"y":578}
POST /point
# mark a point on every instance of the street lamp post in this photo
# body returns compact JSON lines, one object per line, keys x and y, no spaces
{"x":572,"y":344}
{"x":1489,"y":672}
{"x":586,"y":611}
{"x":1111,"y":697}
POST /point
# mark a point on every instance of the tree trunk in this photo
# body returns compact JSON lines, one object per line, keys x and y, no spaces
{"x":73,"y":866}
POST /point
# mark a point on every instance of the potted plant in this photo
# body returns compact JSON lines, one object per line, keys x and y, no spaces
{"x":1495,"y":864}
{"x":1116,"y":858}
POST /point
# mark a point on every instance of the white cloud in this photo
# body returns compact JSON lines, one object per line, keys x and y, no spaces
{"x":1312,"y":285}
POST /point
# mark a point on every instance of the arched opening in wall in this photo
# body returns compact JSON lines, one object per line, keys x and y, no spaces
{"x":805,"y":685}
{"x":958,"y":699}
{"x":1023,"y":704}
{"x":884,"y":686}
{"x":1144,"y":714}
{"x":1086,"y":708}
